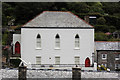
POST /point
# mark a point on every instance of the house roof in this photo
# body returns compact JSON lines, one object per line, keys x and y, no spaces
{"x":57,"y":19}
{"x":107,"y":45}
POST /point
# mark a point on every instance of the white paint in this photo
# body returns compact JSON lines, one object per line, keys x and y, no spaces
{"x":67,"y":50}
{"x":95,"y":66}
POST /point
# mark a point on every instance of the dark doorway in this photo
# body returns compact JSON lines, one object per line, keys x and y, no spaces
{"x":87,"y":62}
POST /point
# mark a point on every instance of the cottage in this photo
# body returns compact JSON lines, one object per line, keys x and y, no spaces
{"x":108,"y":54}
{"x":55,"y":37}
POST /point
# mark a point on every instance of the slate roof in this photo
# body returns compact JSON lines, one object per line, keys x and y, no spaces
{"x":102,"y":45}
{"x":57,"y":19}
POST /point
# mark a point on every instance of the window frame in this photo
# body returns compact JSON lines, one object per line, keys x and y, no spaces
{"x":117,"y":66}
{"x":57,"y":41}
{"x":104,"y":56}
{"x":38,"y":61}
{"x":77,"y":42}
{"x":78,"y":58}
{"x":56,"y":58}
{"x":117,"y":56}
{"x":38,"y":42}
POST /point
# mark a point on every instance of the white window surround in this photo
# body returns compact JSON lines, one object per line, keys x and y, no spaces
{"x":117,"y":56}
{"x":104,"y":56}
{"x":77,"y":59}
{"x":77,"y":42}
{"x":38,"y":59}
{"x":57,"y":59}
{"x":38,"y":42}
{"x":57,"y":48}
{"x":57,"y":41}
{"x":117,"y":66}
{"x":76,"y":48}
{"x":38,"y":48}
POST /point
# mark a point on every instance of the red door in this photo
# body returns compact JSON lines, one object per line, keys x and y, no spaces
{"x":17,"y":48}
{"x":87,"y":62}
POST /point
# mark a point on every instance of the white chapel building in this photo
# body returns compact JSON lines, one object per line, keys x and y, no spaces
{"x":55,"y":37}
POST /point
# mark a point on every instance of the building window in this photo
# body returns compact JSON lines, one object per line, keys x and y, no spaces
{"x":57,"y":41}
{"x":38,"y":42}
{"x":117,"y":56}
{"x":17,"y":48}
{"x":77,"y":41}
{"x":104,"y":56}
{"x":38,"y":60}
{"x":116,"y":66}
{"x":57,"y":60}
{"x":77,"y":60}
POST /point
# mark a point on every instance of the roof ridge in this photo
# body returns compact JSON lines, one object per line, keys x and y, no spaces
{"x":58,"y":11}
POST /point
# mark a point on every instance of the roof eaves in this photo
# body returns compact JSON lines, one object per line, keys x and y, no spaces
{"x":57,"y":11}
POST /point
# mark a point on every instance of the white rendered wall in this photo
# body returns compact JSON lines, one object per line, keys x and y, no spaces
{"x":16,"y":37}
{"x":67,"y":50}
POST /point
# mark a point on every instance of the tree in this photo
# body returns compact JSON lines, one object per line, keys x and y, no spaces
{"x":111,"y":7}
{"x":78,"y":7}
{"x":95,"y":7}
{"x":101,"y":37}
{"x":101,"y":21}
{"x":8,"y":13}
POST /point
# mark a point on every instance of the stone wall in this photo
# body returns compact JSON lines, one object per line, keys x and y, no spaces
{"x":110,"y":61}
{"x":58,"y":74}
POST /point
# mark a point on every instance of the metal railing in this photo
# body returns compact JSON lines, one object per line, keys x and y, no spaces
{"x":56,"y":65}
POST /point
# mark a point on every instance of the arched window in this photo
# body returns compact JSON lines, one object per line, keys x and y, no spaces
{"x":38,"y":42}
{"x":77,"y":41}
{"x":57,"y":41}
{"x":17,"y":48}
{"x":87,"y":62}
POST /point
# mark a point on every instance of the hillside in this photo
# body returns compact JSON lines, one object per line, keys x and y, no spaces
{"x":107,"y":15}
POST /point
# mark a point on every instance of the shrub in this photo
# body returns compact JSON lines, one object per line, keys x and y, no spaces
{"x":15,"y":62}
{"x":101,"y":37}
{"x":104,"y":28}
{"x":101,"y":21}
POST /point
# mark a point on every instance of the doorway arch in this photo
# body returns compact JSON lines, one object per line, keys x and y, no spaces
{"x":87,"y":62}
{"x":17,"y":48}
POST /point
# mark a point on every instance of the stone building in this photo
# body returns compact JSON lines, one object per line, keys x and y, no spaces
{"x":108,"y":54}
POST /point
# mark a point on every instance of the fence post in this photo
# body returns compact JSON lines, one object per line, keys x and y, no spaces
{"x":22,"y":72}
{"x":76,"y":73}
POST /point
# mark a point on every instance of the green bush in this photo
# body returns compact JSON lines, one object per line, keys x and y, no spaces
{"x":101,"y":28}
{"x":15,"y":62}
{"x":113,"y":20}
{"x":104,"y":28}
{"x":113,"y":39}
{"x":101,"y":21}
{"x":101,"y":37}
{"x":4,"y":38}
